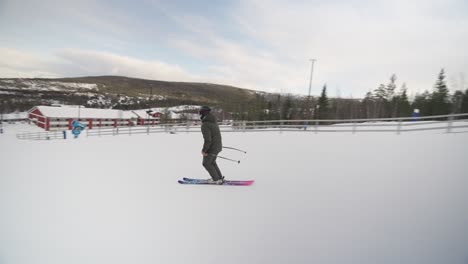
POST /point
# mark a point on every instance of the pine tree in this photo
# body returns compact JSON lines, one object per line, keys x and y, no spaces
{"x":456,"y":101}
{"x":423,"y":103}
{"x":287,"y":110}
{"x":440,"y":96}
{"x":381,"y":101}
{"x":391,"y":105}
{"x":337,"y":105}
{"x":323,"y":104}
{"x":464,"y":104}
{"x":278,"y":108}
{"x":367,"y":105}
{"x":381,"y":92}
{"x":390,"y":88}
{"x":404,"y":107}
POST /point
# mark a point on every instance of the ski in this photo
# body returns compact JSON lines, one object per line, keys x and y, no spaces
{"x":248,"y":182}
{"x":232,"y":181}
{"x":226,"y":182}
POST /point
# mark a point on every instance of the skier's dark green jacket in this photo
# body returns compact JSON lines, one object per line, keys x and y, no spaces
{"x":211,"y":135}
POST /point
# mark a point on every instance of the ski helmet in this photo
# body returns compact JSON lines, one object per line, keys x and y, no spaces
{"x":204,"y":110}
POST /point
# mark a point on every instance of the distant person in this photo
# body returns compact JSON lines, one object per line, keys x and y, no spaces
{"x":415,"y":114}
{"x":77,"y":127}
{"x":212,"y":144}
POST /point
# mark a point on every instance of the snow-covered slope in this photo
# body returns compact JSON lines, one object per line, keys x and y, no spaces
{"x":318,"y":198}
{"x":38,"y":85}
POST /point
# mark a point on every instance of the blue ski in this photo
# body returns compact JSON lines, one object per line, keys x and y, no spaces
{"x":226,"y":182}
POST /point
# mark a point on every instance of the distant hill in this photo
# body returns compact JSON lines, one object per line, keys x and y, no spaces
{"x":198,"y":92}
{"x":118,"y":92}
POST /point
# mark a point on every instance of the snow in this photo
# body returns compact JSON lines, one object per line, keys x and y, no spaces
{"x":178,"y":108}
{"x":4,"y":92}
{"x":17,"y":115}
{"x":317,"y":198}
{"x":46,"y":85}
{"x":66,"y":112}
{"x":102,"y":100}
{"x":88,"y":86}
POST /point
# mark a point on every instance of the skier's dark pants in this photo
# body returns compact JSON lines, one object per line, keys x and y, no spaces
{"x":209,"y":162}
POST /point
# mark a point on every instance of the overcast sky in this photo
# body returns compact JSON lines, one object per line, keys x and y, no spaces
{"x":255,"y":44}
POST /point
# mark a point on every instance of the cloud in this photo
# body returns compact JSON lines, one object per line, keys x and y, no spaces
{"x":105,"y":63}
{"x":75,"y":62}
{"x":14,"y":63}
{"x":231,"y":61}
{"x":357,"y":44}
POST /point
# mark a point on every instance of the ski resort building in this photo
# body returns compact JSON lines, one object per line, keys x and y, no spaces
{"x":61,"y":117}
{"x":147,"y":117}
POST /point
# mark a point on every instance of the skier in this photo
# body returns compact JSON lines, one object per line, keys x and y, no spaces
{"x":77,"y":127}
{"x":212,"y":144}
{"x":415,"y":114}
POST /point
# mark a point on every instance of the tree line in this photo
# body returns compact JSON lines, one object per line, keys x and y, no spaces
{"x":386,"y":101}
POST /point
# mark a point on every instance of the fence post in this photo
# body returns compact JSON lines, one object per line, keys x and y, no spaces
{"x":316,"y":126}
{"x":449,"y":124}
{"x":354,"y":127}
{"x":399,"y":127}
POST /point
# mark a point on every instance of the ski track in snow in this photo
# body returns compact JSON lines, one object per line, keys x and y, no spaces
{"x":317,"y":198}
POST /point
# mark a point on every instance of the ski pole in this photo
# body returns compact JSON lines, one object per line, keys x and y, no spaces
{"x":236,"y":149}
{"x":238,"y":161}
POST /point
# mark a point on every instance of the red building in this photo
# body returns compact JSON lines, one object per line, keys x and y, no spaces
{"x":61,"y":117}
{"x":147,"y":117}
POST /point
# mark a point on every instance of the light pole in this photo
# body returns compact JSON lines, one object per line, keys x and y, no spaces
{"x":309,"y":102}
{"x":149,"y":105}
{"x":311,"y":74}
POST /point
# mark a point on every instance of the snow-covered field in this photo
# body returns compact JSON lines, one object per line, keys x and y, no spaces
{"x":17,"y":115}
{"x":318,"y":198}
